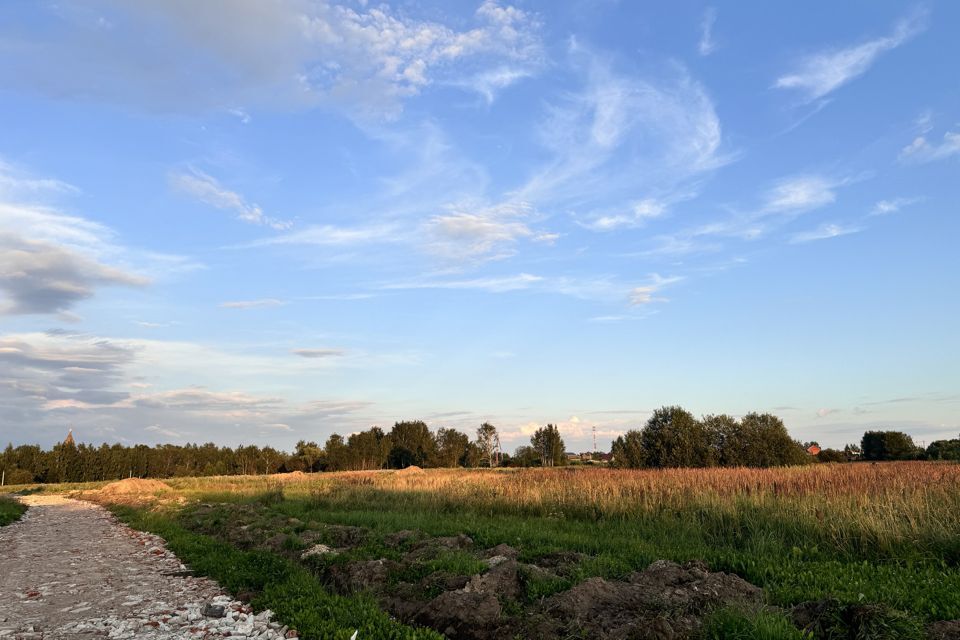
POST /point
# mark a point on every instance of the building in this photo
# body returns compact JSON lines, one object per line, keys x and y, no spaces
{"x":69,"y":438}
{"x":813,"y":449}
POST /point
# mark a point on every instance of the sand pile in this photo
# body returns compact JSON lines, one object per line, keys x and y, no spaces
{"x":411,"y":470}
{"x":134,"y":487}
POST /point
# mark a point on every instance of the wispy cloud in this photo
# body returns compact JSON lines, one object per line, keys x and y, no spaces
{"x":208,"y":190}
{"x":624,"y":141}
{"x":647,"y":293}
{"x":638,"y":213}
{"x":252,"y":304}
{"x":885,"y":207}
{"x":319,"y":353}
{"x":707,"y":44}
{"x":494,"y":284}
{"x":800,"y":193}
{"x":922,"y":150}
{"x":821,"y":73}
{"x":824,"y":232}
{"x":468,"y":231}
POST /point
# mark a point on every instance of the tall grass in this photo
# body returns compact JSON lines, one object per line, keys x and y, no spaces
{"x":885,"y":533}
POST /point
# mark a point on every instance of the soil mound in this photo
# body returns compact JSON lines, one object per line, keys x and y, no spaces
{"x":292,"y":476}
{"x":412,"y":470}
{"x":134,"y":487}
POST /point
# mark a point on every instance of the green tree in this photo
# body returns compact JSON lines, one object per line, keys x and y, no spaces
{"x":767,"y":443}
{"x":727,"y":441}
{"x":628,"y":452}
{"x":524,"y":457}
{"x":672,"y":437}
{"x":887,"y":445}
{"x":488,"y":441}
{"x":368,"y":449}
{"x":451,"y":445}
{"x":944,"y":450}
{"x":336,"y":454}
{"x":412,"y":444}
{"x":549,"y":446}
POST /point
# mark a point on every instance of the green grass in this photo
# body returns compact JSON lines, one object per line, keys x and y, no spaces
{"x":10,"y":510}
{"x":289,"y":590}
{"x":764,"y":555}
{"x":731,"y":624}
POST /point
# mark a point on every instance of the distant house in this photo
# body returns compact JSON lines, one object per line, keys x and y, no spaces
{"x":813,"y":449}
{"x":69,"y":438}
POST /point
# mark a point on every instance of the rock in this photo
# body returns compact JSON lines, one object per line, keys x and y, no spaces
{"x":317,"y":550}
{"x":213,"y":611}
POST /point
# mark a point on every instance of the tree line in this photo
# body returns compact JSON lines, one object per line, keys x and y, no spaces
{"x":407,"y":443}
{"x":672,"y":437}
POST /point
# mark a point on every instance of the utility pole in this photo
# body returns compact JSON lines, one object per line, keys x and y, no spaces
{"x":594,"y":440}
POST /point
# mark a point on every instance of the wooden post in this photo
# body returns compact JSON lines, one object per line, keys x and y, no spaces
{"x":3,"y":477}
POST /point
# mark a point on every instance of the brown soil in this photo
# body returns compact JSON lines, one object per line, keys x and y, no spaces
{"x":410,"y":471}
{"x":134,"y":486}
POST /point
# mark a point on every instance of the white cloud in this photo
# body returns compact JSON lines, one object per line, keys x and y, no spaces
{"x":491,"y":82}
{"x":821,"y":73}
{"x":707,"y":44}
{"x":922,"y":150}
{"x":824,"y":232}
{"x":800,"y":193}
{"x":220,"y":54}
{"x":16,"y":183}
{"x":470,"y":231}
{"x":646,"y":294}
{"x":637,"y":214}
{"x":252,"y":304}
{"x":331,"y":235}
{"x":884,"y":207}
{"x":623,"y":140}
{"x":206,"y":189}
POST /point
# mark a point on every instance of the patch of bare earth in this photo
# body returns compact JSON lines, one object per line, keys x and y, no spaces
{"x":71,"y":570}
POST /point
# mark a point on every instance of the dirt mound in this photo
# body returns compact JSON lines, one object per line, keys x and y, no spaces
{"x":412,"y":470}
{"x":134,"y":487}
{"x":293,"y":476}
{"x":674,"y":596}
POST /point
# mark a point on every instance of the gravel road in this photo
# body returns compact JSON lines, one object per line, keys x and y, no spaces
{"x":68,"y":569}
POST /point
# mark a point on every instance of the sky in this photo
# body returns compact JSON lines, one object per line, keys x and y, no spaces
{"x":261,"y":221}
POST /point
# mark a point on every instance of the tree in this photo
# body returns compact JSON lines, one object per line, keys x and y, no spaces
{"x":368,"y":449}
{"x":852,"y":452}
{"x":549,"y":446}
{"x":674,"y":438}
{"x":727,"y":441}
{"x":524,"y":457}
{"x":337,"y":454}
{"x":767,"y":442}
{"x":887,"y":445}
{"x":831,"y":455}
{"x":488,"y":441}
{"x":944,"y":450}
{"x":451,"y":445}
{"x":412,"y":444}
{"x":307,"y":456}
{"x":628,"y":452}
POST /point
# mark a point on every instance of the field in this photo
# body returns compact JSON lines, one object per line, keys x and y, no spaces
{"x":876,"y":547}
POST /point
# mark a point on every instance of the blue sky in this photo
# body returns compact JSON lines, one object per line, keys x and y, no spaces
{"x":264,"y":221}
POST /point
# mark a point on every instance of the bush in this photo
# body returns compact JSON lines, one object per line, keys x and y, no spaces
{"x":10,"y":510}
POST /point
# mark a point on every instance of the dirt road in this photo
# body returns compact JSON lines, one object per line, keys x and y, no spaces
{"x":68,"y":569}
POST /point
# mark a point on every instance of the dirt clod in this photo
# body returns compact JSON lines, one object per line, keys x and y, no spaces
{"x":462,"y":615}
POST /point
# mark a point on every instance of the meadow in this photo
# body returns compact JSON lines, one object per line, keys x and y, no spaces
{"x":882,"y":535}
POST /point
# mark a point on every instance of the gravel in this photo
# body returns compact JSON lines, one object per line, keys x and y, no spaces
{"x":71,"y":570}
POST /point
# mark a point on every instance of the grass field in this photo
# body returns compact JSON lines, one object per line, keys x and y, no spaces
{"x":10,"y":510}
{"x":862,"y":534}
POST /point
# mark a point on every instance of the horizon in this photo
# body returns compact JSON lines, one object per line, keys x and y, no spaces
{"x":255,"y":223}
